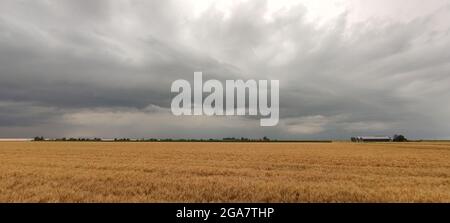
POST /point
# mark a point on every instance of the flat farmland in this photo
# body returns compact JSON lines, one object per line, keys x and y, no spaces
{"x":224,"y":172}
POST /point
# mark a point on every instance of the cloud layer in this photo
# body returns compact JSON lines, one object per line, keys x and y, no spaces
{"x":104,"y":68}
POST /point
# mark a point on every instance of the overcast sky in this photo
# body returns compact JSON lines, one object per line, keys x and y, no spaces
{"x":100,"y":68}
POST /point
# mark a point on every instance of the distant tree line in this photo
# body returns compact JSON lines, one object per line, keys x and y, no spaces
{"x":227,"y":139}
{"x":40,"y":138}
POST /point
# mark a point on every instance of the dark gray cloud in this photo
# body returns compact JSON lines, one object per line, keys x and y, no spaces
{"x":104,"y":68}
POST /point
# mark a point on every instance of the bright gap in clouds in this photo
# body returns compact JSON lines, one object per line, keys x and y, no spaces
{"x":321,"y":11}
{"x":317,"y":10}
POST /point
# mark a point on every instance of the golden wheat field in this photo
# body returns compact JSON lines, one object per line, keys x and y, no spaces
{"x":224,"y":172}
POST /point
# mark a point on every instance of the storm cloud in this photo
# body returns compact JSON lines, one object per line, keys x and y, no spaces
{"x":104,"y":68}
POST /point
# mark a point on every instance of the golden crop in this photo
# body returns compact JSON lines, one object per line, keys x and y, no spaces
{"x":224,"y":172}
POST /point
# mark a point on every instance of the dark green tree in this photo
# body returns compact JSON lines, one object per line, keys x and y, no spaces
{"x":399,"y":138}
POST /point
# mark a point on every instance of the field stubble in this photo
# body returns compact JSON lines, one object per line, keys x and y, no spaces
{"x":224,"y":172}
